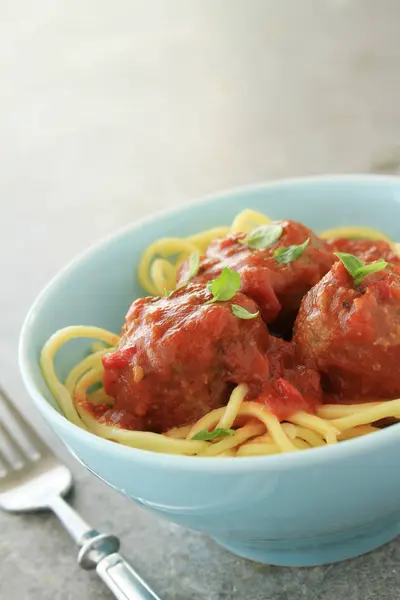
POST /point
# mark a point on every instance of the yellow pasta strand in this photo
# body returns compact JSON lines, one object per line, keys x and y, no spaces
{"x":203,"y":239}
{"x":358,"y":431}
{"x":142,"y":440}
{"x":163,"y":275}
{"x":180,"y":433}
{"x":258,"y":450}
{"x":301,"y":444}
{"x":326,"y":428}
{"x":231,"y":441}
{"x":90,"y":378}
{"x":248,"y":220}
{"x":90,"y":362}
{"x":51,"y":347}
{"x":313,"y":438}
{"x":227,"y":453}
{"x":252,"y":409}
{"x":389,"y":408}
{"x":100,"y":397}
{"x":233,"y":406}
{"x":335,"y":411}
{"x":265,"y":438}
{"x":290,"y":430}
{"x":353,"y":231}
{"x":209,"y":421}
{"x":163,"y":248}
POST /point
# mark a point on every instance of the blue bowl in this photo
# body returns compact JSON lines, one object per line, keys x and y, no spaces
{"x":307,"y":508}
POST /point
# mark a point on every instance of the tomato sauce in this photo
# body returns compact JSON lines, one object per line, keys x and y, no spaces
{"x":293,"y":387}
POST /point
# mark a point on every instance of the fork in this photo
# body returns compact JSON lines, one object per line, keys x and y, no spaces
{"x":32,"y":479}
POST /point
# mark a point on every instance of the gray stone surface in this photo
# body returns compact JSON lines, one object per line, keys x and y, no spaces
{"x":113,"y":110}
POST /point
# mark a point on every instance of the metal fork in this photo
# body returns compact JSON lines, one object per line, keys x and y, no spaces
{"x":32,"y":478}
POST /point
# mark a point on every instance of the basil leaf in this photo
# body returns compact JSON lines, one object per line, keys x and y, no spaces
{"x":207,"y":436}
{"x":194,"y":264}
{"x":263,"y":236}
{"x":290,"y":253}
{"x":225,"y":286}
{"x":357,"y":269}
{"x":242,"y":313}
{"x":350,"y":262}
{"x":374,"y":267}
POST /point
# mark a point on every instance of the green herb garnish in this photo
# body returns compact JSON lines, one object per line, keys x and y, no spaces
{"x":290,"y":253}
{"x":208,"y":436}
{"x":225,"y":286}
{"x":263,"y":236}
{"x":374,"y":267}
{"x":351,"y":262}
{"x":242,"y":313}
{"x":357,"y":269}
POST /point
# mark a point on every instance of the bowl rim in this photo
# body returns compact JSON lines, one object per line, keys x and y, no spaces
{"x":357,"y":446}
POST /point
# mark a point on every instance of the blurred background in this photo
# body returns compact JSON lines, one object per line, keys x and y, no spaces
{"x":112,"y":110}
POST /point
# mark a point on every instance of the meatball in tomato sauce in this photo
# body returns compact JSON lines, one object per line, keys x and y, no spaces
{"x":366,"y":250}
{"x":179,"y":358}
{"x":350,"y":332}
{"x":273,"y":283}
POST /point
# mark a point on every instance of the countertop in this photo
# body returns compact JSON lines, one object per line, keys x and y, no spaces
{"x":112,"y":110}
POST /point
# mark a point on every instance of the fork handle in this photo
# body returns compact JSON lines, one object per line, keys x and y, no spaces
{"x":100,"y":551}
{"x":123,"y":580}
{"x":77,"y":528}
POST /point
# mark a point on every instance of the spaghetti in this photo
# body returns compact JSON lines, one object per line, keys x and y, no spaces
{"x":253,"y":428}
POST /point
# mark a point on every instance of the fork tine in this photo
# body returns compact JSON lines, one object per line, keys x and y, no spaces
{"x":31,"y":438}
{"x":15,"y":452}
{"x":4,"y":464}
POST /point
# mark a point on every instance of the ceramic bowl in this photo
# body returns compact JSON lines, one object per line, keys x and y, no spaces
{"x":307,"y":508}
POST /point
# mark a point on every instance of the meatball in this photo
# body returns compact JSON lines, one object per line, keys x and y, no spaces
{"x":179,"y":358}
{"x":351,"y":333}
{"x":366,"y":250}
{"x":273,"y":285}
